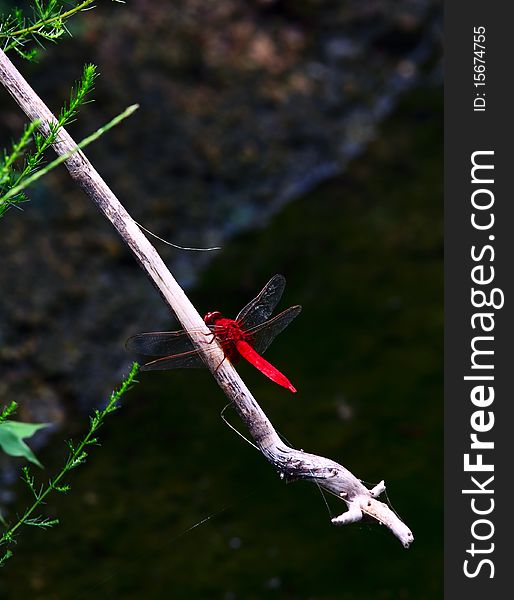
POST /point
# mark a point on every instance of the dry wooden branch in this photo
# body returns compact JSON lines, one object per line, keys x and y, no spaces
{"x":290,"y":463}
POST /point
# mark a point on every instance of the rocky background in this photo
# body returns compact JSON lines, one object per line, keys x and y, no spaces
{"x":244,"y":106}
{"x":265,"y":128}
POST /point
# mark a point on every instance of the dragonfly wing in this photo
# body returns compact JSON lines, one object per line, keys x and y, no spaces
{"x":267,"y":332}
{"x":159,"y":343}
{"x":186,"y":360}
{"x":260,"y":308}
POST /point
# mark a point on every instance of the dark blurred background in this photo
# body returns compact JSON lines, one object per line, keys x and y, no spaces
{"x":305,"y":138}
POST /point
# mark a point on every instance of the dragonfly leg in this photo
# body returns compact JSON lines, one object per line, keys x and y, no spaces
{"x":211,"y":333}
{"x":216,"y":369}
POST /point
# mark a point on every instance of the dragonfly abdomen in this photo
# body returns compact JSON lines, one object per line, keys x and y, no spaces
{"x":260,"y":363}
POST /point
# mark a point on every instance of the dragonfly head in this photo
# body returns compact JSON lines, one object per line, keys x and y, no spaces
{"x":211,"y":317}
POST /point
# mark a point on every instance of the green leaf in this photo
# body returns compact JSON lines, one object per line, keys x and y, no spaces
{"x":12,"y":434}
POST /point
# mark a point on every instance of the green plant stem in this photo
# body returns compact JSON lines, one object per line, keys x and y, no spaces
{"x":8,"y":411}
{"x":7,"y":179}
{"x":38,"y":25}
{"x":77,"y":457}
{"x":17,"y":150}
{"x":86,"y":141}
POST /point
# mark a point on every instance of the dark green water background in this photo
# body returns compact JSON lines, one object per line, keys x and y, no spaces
{"x":363,"y":255}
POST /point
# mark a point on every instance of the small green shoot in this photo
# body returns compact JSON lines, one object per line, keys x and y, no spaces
{"x":77,"y":456}
{"x":47,"y":24}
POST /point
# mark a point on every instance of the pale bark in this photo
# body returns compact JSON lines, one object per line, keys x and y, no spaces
{"x":290,"y":463}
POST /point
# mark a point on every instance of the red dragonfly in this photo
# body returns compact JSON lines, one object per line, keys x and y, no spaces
{"x":248,"y":336}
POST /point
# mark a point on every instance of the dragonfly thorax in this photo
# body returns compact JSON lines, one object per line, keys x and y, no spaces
{"x":226,"y":330}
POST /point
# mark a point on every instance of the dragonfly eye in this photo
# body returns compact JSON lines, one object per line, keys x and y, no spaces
{"x":211,"y":317}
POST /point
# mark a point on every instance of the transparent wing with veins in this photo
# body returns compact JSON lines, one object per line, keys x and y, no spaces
{"x":265,"y":333}
{"x":260,"y":308}
{"x":174,"y":349}
{"x":177,"y":350}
